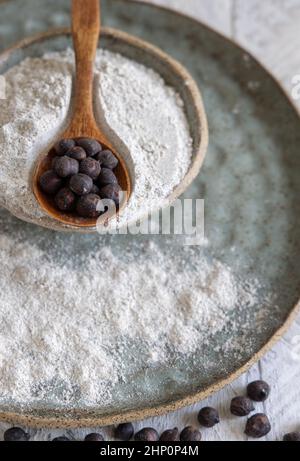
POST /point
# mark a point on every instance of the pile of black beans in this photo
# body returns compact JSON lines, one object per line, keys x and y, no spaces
{"x":82,"y":174}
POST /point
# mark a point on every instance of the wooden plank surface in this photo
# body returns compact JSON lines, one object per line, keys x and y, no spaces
{"x":270,"y":29}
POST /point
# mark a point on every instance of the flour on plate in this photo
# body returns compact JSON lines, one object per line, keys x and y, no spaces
{"x":72,"y":325}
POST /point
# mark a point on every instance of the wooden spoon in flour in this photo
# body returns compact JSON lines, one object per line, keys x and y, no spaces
{"x":85,"y":32}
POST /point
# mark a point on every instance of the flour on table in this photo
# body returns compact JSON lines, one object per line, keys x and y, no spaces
{"x":145,"y":114}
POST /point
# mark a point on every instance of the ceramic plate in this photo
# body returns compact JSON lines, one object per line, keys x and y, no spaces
{"x":251,"y":189}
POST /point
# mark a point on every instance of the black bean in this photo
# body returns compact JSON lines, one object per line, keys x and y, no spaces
{"x":107,"y":159}
{"x":190,"y":434}
{"x":89,"y":206}
{"x":81,"y":184}
{"x":77,"y":153}
{"x":91,"y":146}
{"x":65,"y":166}
{"x":61,"y":439}
{"x":241,"y":406}
{"x":106,"y":177}
{"x":146,"y":435}
{"x":94,"y":437}
{"x":95,"y":190}
{"x":65,"y":199}
{"x":50,"y":182}
{"x":124,"y":431}
{"x":258,"y":391}
{"x":170,"y":435}
{"x":111,"y":192}
{"x":292,"y":437}
{"x":208,"y":417}
{"x":15,"y":434}
{"x":62,"y":146}
{"x":258,"y":426}
{"x":91,"y":167}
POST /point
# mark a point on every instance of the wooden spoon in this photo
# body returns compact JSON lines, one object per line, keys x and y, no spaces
{"x":85,"y":32}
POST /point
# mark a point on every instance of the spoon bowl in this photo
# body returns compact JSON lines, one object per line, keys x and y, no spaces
{"x":144,"y":53}
{"x":71,"y":218}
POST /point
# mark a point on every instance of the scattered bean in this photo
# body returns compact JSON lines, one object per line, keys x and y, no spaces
{"x":124,"y":431}
{"x":292,"y":437}
{"x":94,"y":437}
{"x":15,"y":434}
{"x":241,"y":406}
{"x":190,"y":434}
{"x":171,"y":435}
{"x":258,"y":391}
{"x":208,"y":417}
{"x":61,"y":439}
{"x":146,"y":435}
{"x":258,"y":426}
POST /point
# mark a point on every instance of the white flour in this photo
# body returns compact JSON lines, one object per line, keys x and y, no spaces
{"x":73,"y":325}
{"x":145,"y":114}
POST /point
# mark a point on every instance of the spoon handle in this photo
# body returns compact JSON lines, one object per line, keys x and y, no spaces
{"x":85,"y":32}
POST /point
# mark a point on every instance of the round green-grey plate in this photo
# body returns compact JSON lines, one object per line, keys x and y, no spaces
{"x":251,"y":188}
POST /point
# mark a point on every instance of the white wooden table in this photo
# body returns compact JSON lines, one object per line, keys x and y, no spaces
{"x":270,"y":29}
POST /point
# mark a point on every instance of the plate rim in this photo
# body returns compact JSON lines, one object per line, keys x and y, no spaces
{"x":72,"y":419}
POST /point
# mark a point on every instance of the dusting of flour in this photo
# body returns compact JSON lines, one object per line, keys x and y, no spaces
{"x":144,"y":113}
{"x":72,"y":323}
